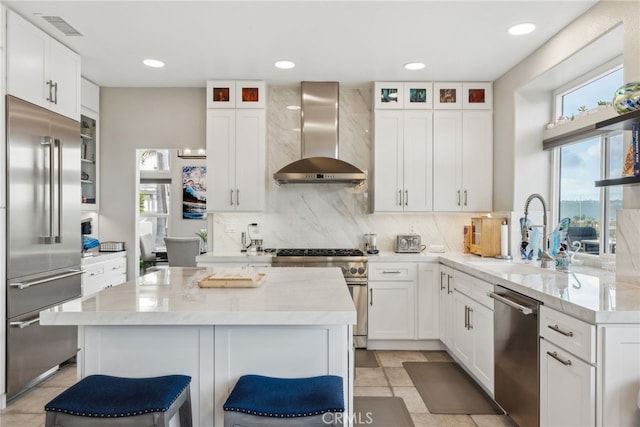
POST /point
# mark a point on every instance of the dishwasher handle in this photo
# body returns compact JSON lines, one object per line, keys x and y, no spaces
{"x":521,"y":308}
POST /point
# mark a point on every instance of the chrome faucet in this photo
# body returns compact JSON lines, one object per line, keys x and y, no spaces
{"x":547,"y":259}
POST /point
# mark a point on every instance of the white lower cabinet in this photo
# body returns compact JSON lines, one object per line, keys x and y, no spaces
{"x":403,"y":301}
{"x":392,"y":301}
{"x":567,"y":388}
{"x":428,"y":301}
{"x":100,"y":274}
{"x":473,"y":328}
{"x":445,"y":291}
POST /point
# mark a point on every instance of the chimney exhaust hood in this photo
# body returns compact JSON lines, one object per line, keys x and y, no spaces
{"x":319,"y":141}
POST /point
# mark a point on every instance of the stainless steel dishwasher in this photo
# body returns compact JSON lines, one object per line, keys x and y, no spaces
{"x":516,"y":355}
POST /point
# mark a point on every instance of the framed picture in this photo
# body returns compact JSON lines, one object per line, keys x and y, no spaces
{"x":447,"y":95}
{"x":418,"y":95}
{"x":477,"y":95}
{"x":250,"y":94}
{"x":194,"y":192}
{"x":388,"y":95}
{"x":221,"y":94}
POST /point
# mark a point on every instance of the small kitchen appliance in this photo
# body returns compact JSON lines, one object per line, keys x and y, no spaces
{"x":409,"y":244}
{"x":370,"y":243}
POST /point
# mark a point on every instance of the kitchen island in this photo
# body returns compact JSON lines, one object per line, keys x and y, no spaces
{"x":297,"y":323}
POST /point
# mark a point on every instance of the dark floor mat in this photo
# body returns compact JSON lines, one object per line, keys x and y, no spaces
{"x":447,"y":389}
{"x":366,"y":359}
{"x":380,"y":412}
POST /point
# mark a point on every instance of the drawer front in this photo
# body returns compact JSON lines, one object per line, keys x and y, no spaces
{"x":571,"y":334}
{"x":473,"y":288}
{"x":115,"y":267}
{"x":393,"y":271}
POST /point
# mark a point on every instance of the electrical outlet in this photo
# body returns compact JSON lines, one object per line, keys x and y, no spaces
{"x":412,"y":228}
{"x":230,"y":228}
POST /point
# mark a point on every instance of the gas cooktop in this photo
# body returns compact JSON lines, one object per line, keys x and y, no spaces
{"x":320,"y":252}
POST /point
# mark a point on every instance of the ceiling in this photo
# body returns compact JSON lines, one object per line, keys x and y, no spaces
{"x":353,"y":42}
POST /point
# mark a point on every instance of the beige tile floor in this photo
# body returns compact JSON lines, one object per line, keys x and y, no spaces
{"x":389,"y":379}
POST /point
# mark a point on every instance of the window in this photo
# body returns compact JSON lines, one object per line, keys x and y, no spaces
{"x":584,"y":162}
{"x":154,"y":191}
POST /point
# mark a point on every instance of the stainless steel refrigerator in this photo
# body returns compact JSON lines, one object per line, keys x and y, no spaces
{"x":43,"y":238}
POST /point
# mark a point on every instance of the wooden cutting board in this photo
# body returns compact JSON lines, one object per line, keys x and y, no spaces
{"x":231,"y":280}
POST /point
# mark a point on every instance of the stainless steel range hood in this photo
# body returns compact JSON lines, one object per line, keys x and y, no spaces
{"x":319,"y":163}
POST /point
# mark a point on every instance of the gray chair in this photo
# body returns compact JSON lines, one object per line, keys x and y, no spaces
{"x":182,"y":251}
{"x":147,"y":256}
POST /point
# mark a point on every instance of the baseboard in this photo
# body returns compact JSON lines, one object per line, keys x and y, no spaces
{"x":431,"y":345}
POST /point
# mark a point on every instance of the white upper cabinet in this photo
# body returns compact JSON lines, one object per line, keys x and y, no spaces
{"x":236,"y":160}
{"x":90,"y":96}
{"x":462,"y":160}
{"x":403,"y":157}
{"x":40,"y":69}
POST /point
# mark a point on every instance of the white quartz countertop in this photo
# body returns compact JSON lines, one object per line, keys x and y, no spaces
{"x":587,"y":293}
{"x":101,"y":257}
{"x":287,"y":296}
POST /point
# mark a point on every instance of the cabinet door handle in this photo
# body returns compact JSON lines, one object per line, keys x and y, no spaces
{"x":449,"y":284}
{"x":231,"y":197}
{"x":560,"y":331}
{"x":442,"y":273}
{"x":55,"y":93}
{"x":555,"y":356}
{"x":371,"y":297}
{"x":399,"y":197}
{"x":458,"y":197}
{"x":406,"y":197}
{"x":237,"y":197}
{"x":25,"y":323}
{"x":50,"y":84}
{"x":465,"y":197}
{"x":469,"y":324}
{"x":466,"y":317}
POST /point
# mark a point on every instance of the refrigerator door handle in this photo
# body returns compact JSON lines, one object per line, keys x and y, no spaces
{"x":47,"y":239}
{"x":24,"y":323}
{"x":58,"y":237}
{"x":28,"y":284}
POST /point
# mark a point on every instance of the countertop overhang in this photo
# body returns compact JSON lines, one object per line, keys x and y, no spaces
{"x":287,"y":296}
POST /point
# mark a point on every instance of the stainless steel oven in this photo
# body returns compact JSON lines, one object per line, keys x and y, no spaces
{"x":354,"y":266}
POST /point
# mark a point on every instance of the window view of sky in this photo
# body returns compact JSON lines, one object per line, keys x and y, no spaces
{"x":580,"y":163}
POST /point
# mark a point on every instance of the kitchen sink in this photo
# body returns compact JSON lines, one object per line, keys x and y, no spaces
{"x":511,"y":268}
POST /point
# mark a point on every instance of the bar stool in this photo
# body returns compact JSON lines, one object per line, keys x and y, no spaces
{"x":259,"y":401}
{"x":103,"y":400}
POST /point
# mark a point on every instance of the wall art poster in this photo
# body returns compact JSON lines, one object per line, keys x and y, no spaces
{"x":389,"y":95}
{"x":418,"y":95}
{"x":194,"y":192}
{"x":448,"y":96}
{"x":221,"y":94}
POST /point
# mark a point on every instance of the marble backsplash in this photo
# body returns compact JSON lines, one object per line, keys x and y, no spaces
{"x":628,"y":247}
{"x":327,"y":215}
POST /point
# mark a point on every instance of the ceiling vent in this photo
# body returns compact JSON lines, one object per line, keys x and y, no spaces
{"x":62,"y":25}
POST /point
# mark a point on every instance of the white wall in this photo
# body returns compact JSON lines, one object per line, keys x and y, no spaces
{"x":518,"y":127}
{"x":133,"y":118}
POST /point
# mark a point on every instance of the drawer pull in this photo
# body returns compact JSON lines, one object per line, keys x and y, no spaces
{"x":391,"y":272}
{"x":555,"y":356}
{"x":560,"y":331}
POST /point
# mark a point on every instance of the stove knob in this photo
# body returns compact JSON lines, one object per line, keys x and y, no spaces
{"x":344,"y":269}
{"x":353,"y":270}
{"x":361,"y":270}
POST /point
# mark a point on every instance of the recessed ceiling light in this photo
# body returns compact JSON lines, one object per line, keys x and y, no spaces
{"x":153,"y":63}
{"x":285,"y":65}
{"x":520,"y":29}
{"x":414,"y":65}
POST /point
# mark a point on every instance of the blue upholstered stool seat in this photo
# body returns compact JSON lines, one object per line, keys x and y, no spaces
{"x":300,"y":398}
{"x":103,"y":396}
